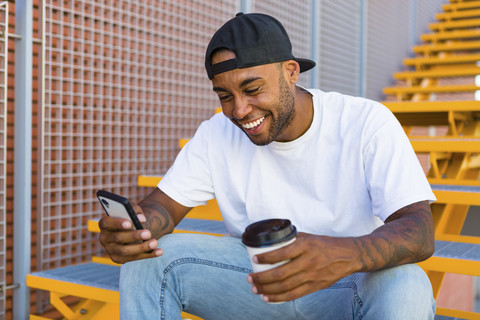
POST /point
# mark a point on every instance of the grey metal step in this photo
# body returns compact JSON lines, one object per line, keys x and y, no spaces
{"x":457,"y":250}
{"x":90,"y":274}
{"x":458,"y":188}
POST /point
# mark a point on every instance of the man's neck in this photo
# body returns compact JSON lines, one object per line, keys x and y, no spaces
{"x":304,"y":108}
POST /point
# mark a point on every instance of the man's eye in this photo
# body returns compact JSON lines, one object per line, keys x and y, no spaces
{"x":252,"y":91}
{"x":224,"y":98}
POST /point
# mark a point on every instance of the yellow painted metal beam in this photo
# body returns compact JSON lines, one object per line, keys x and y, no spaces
{"x":210,"y":211}
{"x":34,"y":317}
{"x":467,"y":267}
{"x":461,"y":6}
{"x":424,"y":144}
{"x":452,"y":59}
{"x":457,"y":197}
{"x":457,"y":72}
{"x":457,"y":24}
{"x":451,"y":35}
{"x":148,"y":180}
{"x":104,"y":260}
{"x":182,"y":142}
{"x":92,"y":226}
{"x":74,"y":289}
{"x":453,"y":114}
{"x":432,"y":106}
{"x":458,"y":314}
{"x":432,"y":89}
{"x":458,"y":15}
{"x":474,"y":162}
{"x":62,"y":307}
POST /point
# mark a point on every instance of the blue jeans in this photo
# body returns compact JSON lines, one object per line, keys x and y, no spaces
{"x":207,"y":276}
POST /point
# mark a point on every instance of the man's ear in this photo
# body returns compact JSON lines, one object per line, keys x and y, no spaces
{"x":291,"y":70}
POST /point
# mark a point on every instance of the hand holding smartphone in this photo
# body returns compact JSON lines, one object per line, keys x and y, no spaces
{"x":118,"y":206}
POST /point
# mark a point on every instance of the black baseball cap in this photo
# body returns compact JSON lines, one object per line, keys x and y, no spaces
{"x":256,"y":39}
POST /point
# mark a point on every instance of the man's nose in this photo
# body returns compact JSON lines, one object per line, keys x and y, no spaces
{"x":241,"y":107}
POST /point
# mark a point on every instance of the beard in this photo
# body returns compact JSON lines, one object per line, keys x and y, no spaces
{"x":285,"y":107}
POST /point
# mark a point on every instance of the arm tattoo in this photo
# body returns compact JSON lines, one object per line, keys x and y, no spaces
{"x":159,"y":221}
{"x":406,"y":237}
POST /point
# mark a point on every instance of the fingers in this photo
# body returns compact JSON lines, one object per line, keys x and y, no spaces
{"x":314,"y":263}
{"x":136,"y":251}
{"x":289,"y":252}
{"x":123,"y":244}
{"x":283,"y":254}
{"x":277,"y":274}
{"x":292,"y":280}
{"x":293,"y":294}
{"x":140,"y":215}
{"x":287,"y":282}
{"x":114,"y":224}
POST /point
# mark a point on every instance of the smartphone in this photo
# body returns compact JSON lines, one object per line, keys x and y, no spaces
{"x":118,"y":206}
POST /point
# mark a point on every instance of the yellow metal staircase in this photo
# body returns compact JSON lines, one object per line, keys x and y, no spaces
{"x":435,"y":101}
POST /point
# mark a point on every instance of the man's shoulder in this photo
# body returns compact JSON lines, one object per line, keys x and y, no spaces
{"x":340,"y":102}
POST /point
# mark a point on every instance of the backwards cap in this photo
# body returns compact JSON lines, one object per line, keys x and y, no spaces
{"x":256,"y":39}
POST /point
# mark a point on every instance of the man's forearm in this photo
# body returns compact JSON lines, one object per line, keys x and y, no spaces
{"x":159,"y":220}
{"x":406,"y":237}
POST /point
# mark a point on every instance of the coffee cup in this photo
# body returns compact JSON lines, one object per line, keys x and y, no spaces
{"x":268,"y":235}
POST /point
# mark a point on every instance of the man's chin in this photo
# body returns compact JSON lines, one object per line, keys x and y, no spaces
{"x":259,"y":141}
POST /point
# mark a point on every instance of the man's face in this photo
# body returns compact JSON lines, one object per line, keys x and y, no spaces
{"x":258,"y":100}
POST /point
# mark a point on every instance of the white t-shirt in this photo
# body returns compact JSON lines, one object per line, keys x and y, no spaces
{"x":352,"y":169}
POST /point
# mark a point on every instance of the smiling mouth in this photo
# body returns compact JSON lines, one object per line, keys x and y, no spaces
{"x":252,"y":125}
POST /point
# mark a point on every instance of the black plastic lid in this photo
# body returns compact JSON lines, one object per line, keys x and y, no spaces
{"x":268,"y":232}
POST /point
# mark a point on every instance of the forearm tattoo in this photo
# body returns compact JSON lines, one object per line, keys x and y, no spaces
{"x":159,"y":221}
{"x":406,"y":237}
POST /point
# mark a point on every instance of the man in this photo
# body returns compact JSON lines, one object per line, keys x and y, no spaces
{"x":339,"y":167}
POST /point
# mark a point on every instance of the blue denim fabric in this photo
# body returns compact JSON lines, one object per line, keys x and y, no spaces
{"x":207,"y":276}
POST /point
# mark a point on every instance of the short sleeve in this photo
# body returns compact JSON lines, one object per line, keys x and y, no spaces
{"x":393,"y":172}
{"x":188,"y":181}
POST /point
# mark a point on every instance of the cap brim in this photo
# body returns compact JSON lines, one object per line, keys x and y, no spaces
{"x":305,"y":64}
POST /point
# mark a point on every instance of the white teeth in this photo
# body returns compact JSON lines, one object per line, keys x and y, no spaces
{"x":253,"y":124}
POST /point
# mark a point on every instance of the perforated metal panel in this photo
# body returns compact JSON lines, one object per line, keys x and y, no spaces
{"x":124,"y":80}
{"x":3,"y":148}
{"x":339,"y":62}
{"x":425,"y":12}
{"x":387,"y":43}
{"x":296,"y":18}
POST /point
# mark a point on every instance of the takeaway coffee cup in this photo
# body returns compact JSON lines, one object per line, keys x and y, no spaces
{"x":268,"y":235}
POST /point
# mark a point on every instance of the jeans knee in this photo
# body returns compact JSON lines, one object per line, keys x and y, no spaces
{"x":403,"y":292}
{"x":132,"y":274}
{"x":176,"y":247}
{"x":413,"y":285}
